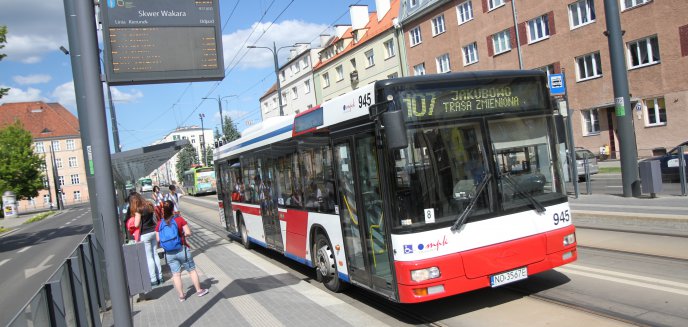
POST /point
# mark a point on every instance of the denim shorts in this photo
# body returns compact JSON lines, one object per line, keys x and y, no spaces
{"x":180,"y":259}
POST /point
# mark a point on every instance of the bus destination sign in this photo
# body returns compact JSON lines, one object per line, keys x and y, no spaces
{"x":162,"y":41}
{"x":443,"y":102}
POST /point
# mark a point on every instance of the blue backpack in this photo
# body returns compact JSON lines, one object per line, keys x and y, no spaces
{"x":169,"y":236}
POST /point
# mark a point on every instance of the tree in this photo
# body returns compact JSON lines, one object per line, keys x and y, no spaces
{"x":187,"y":157}
{"x":231,"y":132}
{"x":209,"y":154}
{"x":3,"y":39}
{"x":20,"y":168}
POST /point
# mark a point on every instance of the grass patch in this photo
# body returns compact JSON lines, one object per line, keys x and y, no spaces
{"x":3,"y":229}
{"x":610,"y":170}
{"x":39,"y":217}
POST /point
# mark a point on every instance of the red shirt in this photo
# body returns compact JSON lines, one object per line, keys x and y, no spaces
{"x":180,"y":225}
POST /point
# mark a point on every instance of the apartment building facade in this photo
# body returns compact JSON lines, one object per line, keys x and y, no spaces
{"x":56,"y":137}
{"x":167,"y":172}
{"x":566,"y":36}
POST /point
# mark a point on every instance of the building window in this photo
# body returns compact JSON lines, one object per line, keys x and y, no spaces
{"x":413,"y":3}
{"x":77,"y":195}
{"x":470,"y":54}
{"x":61,"y":181}
{"x":71,"y":145}
{"x":443,"y":63}
{"x":46,"y":184}
{"x":438,"y":25}
{"x":306,"y":87}
{"x":326,"y":79}
{"x":282,"y":76}
{"x":627,"y":4}
{"x":538,"y":29}
{"x":304,"y":63}
{"x":492,"y":4}
{"x":501,"y":42}
{"x":549,"y":69}
{"x":72,"y":162}
{"x":643,"y":52}
{"x":193,"y":141}
{"x":38,"y":146}
{"x":340,"y":72}
{"x":370,"y":57}
{"x":464,"y":11}
{"x":419,"y":69}
{"x":294,"y":93}
{"x":581,"y":12}
{"x":75,"y":179}
{"x":655,"y":112}
{"x":589,"y":66}
{"x":414,"y":36}
{"x":56,"y":145}
{"x":592,"y":122}
{"x":393,"y":75}
{"x":389,"y":49}
{"x":46,"y":198}
{"x":58,"y":162}
{"x":295,"y":68}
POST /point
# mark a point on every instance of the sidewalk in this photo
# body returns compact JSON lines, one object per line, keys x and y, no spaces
{"x":245,"y":290}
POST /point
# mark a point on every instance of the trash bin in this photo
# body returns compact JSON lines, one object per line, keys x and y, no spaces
{"x":9,"y":204}
{"x":650,"y":176}
{"x":659,"y":151}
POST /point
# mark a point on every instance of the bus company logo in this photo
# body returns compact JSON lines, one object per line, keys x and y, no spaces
{"x":348,"y":107}
{"x":408,"y":248}
{"x":436,"y":245}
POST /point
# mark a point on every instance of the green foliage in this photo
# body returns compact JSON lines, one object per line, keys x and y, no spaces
{"x":20,"y":168}
{"x":39,"y":217}
{"x":187,"y":157}
{"x":3,"y":39}
{"x":231,"y":131}
{"x":209,"y":154}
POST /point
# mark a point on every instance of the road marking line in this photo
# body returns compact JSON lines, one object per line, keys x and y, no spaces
{"x":67,"y":223}
{"x":588,"y":205}
{"x":627,"y":282}
{"x":4,"y":261}
{"x":24,"y":249}
{"x":61,"y":227}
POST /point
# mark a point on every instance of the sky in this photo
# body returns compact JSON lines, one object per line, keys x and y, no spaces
{"x":35,"y":69}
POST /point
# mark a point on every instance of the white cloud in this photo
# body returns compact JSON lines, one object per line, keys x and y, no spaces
{"x":64,"y":94}
{"x":20,"y":95}
{"x":125,"y":97}
{"x":32,"y":79}
{"x":34,"y":28}
{"x":282,"y":34}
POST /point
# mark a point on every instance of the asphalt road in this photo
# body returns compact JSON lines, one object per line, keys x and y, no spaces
{"x":30,"y":255}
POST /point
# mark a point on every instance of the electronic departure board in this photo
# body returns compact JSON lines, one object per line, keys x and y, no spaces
{"x":162,"y":41}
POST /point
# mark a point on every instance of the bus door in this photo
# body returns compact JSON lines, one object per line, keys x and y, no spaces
{"x":361,"y":212}
{"x":268,"y":197}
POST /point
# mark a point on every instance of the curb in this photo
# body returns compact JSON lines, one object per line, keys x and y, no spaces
{"x":631,"y":216}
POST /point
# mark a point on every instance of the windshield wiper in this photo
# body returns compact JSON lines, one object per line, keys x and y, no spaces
{"x":538,"y":206}
{"x":462,"y":217}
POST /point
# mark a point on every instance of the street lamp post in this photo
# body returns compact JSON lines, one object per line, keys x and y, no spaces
{"x":205,"y":159}
{"x":219,"y":105}
{"x":274,"y":51}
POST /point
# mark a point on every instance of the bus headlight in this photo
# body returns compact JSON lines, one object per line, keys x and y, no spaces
{"x":425,"y":274}
{"x":569,"y":239}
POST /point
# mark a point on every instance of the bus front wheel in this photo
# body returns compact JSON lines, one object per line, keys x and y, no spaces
{"x":326,"y":264}
{"x":244,"y":233}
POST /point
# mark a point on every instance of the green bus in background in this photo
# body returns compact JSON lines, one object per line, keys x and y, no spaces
{"x":199,"y":180}
{"x":145,"y":184}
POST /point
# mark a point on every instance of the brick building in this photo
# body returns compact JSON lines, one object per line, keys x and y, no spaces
{"x":52,"y":125}
{"x":553,"y":35}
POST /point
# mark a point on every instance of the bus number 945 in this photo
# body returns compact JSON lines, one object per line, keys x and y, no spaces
{"x":364,"y":100}
{"x":562,"y":217}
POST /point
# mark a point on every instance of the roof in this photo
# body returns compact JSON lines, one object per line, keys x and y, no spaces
{"x":269,"y":92}
{"x":42,"y":120}
{"x":374,"y":28}
{"x":133,"y":164}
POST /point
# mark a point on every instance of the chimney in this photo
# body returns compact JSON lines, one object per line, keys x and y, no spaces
{"x":340,"y":29}
{"x":382,"y":7}
{"x":359,"y":16}
{"x":324,"y":38}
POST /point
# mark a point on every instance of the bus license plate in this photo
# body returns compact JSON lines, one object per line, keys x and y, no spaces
{"x":509,"y":277}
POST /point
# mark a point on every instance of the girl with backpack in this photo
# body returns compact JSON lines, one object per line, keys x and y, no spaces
{"x":145,"y":220}
{"x":171,"y":233}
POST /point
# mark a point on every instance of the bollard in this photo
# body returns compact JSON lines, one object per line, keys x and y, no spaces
{"x":586,"y":166}
{"x":682,"y":168}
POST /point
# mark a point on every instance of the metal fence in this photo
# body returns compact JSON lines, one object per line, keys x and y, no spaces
{"x":73,"y":295}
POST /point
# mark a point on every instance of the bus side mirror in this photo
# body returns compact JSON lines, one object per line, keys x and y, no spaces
{"x":395,"y":129}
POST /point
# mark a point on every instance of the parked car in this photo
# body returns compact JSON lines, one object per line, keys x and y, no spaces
{"x":669,"y":162}
{"x":593,"y":168}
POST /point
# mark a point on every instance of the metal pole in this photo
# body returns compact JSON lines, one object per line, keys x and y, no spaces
{"x":571,"y":145}
{"x":222,"y":118}
{"x":75,"y":56}
{"x":682,"y":168}
{"x":113,"y":118}
{"x":624,"y":116}
{"x":518,"y":40}
{"x":205,"y":159}
{"x":56,"y":182}
{"x":85,"y":36}
{"x":279,"y":87}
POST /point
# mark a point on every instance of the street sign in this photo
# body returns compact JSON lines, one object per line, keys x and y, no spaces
{"x":162,"y":41}
{"x":557,"y":85}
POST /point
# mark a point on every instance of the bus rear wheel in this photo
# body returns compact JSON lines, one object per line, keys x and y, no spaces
{"x":326,"y":264}
{"x":244,"y":234}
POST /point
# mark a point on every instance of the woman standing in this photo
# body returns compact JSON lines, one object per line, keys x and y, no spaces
{"x":157,"y":196}
{"x":145,"y":220}
{"x":177,"y":251}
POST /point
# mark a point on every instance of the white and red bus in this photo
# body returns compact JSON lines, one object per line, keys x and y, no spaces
{"x":415,"y":188}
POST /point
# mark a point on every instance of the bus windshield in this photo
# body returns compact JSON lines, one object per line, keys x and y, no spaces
{"x":438,"y":175}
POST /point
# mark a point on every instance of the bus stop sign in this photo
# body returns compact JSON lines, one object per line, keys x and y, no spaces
{"x":557,"y":86}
